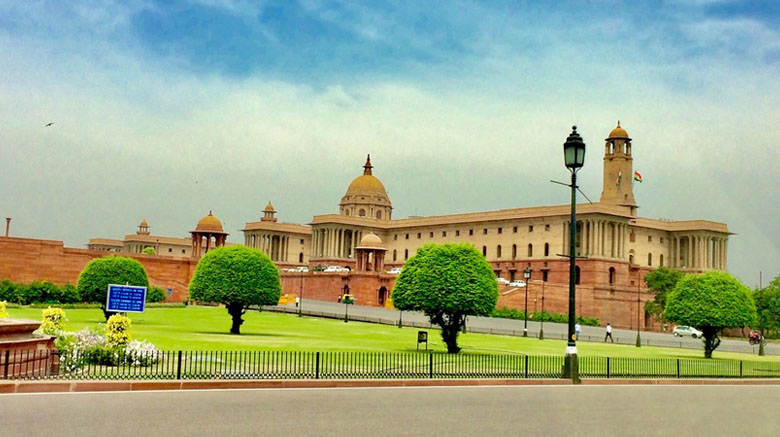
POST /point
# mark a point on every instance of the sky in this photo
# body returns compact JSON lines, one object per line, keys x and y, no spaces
{"x":164,"y":110}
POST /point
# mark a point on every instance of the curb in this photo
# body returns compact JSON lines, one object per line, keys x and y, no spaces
{"x":97,"y":386}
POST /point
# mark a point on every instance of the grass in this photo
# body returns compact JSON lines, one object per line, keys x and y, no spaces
{"x":206,"y":328}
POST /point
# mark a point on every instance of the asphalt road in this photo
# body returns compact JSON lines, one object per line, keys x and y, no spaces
{"x":455,"y":411}
{"x":515,"y":327}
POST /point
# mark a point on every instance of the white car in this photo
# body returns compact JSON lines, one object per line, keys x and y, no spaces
{"x":503,"y":281}
{"x":302,"y":269}
{"x":394,"y":271}
{"x":686,"y":331}
{"x":334,"y":269}
{"x":517,"y":284}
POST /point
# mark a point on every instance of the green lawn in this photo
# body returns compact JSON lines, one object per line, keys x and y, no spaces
{"x":206,"y":328}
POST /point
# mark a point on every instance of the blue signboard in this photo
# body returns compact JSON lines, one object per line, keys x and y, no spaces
{"x":125,"y":299}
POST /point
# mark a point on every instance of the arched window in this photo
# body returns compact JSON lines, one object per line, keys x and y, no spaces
{"x":362,"y":212}
{"x":406,"y":254}
{"x":649,"y":259}
{"x":379,"y":214}
{"x":395,"y":254}
{"x":577,"y":275}
{"x":300,"y":258}
{"x":514,"y":251}
{"x":498,"y":251}
{"x":611,"y":275}
{"x":530,"y":249}
{"x":546,"y":249}
{"x":484,"y":251}
{"x":346,"y":212}
{"x":661,"y":260}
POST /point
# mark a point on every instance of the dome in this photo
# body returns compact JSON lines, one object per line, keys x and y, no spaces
{"x":618,"y":132}
{"x":370,"y":241}
{"x":144,"y":224}
{"x":366,"y":185}
{"x":209,"y":223}
{"x":269,"y":207}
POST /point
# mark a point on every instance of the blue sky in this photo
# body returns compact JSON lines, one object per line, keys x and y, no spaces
{"x":463,"y":105}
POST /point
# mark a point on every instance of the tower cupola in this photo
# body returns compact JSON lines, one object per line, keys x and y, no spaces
{"x":618,"y":170}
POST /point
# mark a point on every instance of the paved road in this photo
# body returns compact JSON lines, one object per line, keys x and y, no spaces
{"x":515,"y":327}
{"x":488,"y":411}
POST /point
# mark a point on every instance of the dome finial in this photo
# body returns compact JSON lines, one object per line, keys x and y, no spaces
{"x":367,"y":167}
{"x":618,"y":123}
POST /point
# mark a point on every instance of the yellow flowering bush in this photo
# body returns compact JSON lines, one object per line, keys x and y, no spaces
{"x":118,"y":330}
{"x":53,"y":320}
{"x":2,"y":309}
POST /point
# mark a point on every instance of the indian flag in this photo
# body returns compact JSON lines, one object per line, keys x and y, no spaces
{"x":637,"y":176}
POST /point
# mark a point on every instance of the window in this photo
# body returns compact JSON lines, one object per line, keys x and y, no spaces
{"x":379,"y":214}
{"x":546,"y":227}
{"x":514,"y":229}
{"x":661,"y":260}
{"x":301,"y":240}
{"x":500,"y":230}
{"x":484,"y":250}
{"x":406,"y":254}
{"x":662,"y":240}
{"x":632,"y":237}
{"x":530,"y":249}
{"x":395,"y":237}
{"x":443,"y":233}
{"x":484,"y":231}
{"x":395,"y":254}
{"x":649,"y":238}
{"x":531,"y":228}
{"x":346,"y":212}
{"x":611,"y":275}
{"x":182,"y":251}
{"x":577,"y":275}
{"x":457,"y":233}
{"x":300,"y":258}
{"x":544,"y":275}
{"x":431,"y":234}
{"x":471,"y":231}
{"x":362,"y":212}
{"x":498,"y":251}
{"x":170,"y":250}
{"x":419,"y":235}
{"x":407,"y":236}
{"x":514,"y":251}
{"x":649,"y":259}
{"x":546,"y":249}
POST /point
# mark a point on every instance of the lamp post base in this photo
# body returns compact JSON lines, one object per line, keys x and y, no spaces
{"x":571,"y":368}
{"x":541,"y":334}
{"x":638,"y":340}
{"x":525,"y":333}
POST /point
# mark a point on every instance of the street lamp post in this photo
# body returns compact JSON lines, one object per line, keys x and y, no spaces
{"x":638,"y":306}
{"x":574,"y":158}
{"x":541,"y":330}
{"x":300,"y":298}
{"x":527,"y":276}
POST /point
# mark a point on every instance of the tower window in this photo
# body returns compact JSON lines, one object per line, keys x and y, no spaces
{"x":362,"y":212}
{"x":546,"y":227}
{"x":379,"y":214}
{"x":484,"y":231}
{"x":530,"y":249}
{"x":419,"y":235}
{"x":662,"y":240}
{"x":431,"y":234}
{"x":301,"y":240}
{"x":407,"y":236}
{"x":530,"y":228}
{"x":632,"y":237}
{"x":498,"y":251}
{"x":395,"y":237}
{"x":457,"y":232}
{"x":500,"y":230}
{"x":471,"y":231}
{"x":443,"y":233}
{"x":649,"y":238}
{"x":170,"y":250}
{"x":514,"y":229}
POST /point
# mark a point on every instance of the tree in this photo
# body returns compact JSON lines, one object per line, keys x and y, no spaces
{"x":148,"y":251}
{"x":768,"y":307}
{"x":100,"y":272}
{"x":660,"y":282}
{"x":447,"y":282}
{"x":711,"y":302}
{"x":236,"y":276}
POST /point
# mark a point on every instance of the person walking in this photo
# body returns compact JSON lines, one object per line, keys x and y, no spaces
{"x":577,"y":329}
{"x":609,"y":334}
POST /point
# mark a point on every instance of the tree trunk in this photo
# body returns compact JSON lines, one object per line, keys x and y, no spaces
{"x":711,"y":340}
{"x":236,"y":310}
{"x":107,"y":314}
{"x":450,"y":328}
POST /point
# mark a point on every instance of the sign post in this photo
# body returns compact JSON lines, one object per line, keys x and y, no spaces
{"x":125,"y":299}
{"x":422,"y":337}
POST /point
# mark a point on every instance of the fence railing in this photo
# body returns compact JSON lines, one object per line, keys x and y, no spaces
{"x":355,"y":365}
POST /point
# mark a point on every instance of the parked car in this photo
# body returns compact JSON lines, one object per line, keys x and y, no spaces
{"x":302,"y":269}
{"x":395,"y":271}
{"x":502,"y":281}
{"x":335,"y":269}
{"x":517,"y":283}
{"x":686,"y":331}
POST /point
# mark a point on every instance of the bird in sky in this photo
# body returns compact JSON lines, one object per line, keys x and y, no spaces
{"x":49,"y":124}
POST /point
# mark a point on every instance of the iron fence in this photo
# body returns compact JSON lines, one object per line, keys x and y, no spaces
{"x":16,"y":364}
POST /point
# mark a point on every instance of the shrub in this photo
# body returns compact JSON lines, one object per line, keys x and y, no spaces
{"x":67,"y":293}
{"x":10,"y":292}
{"x":89,"y":347}
{"x":511,"y":313}
{"x":3,"y":305}
{"x":100,"y":272}
{"x":53,"y":320}
{"x":155,"y":294}
{"x":118,"y":330}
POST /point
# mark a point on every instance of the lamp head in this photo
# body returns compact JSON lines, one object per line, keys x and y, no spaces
{"x":527,"y":273}
{"x":574,"y":150}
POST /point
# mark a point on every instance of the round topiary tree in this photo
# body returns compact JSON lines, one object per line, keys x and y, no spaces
{"x":447,"y":282}
{"x":711,"y":302}
{"x":100,"y":272}
{"x":237,"y":277}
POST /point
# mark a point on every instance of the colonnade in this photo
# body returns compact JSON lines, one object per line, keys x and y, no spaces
{"x":692,"y":251}
{"x":332,"y":242}
{"x":603,"y":238}
{"x":274,"y":245}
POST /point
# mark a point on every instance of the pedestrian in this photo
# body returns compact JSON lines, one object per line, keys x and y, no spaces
{"x":297,"y":301}
{"x":577,"y":329}
{"x":609,"y":334}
